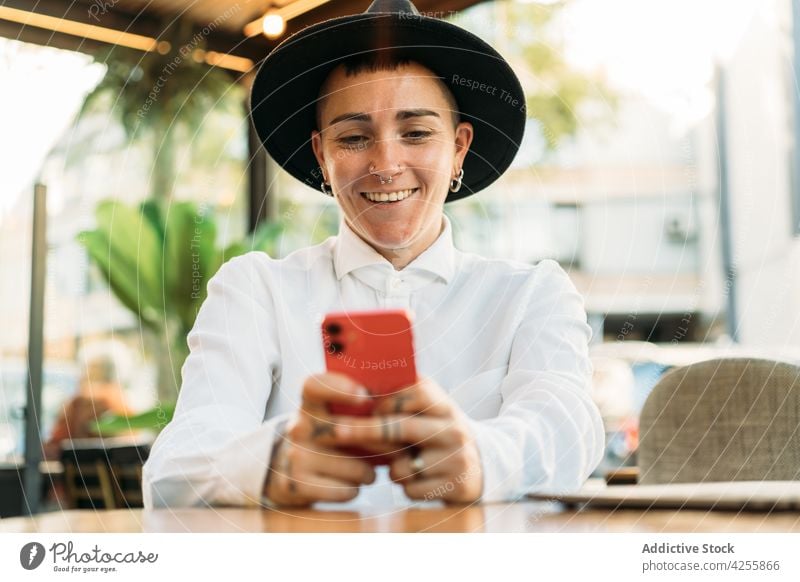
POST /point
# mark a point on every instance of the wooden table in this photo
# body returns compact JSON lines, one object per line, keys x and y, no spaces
{"x":524,"y":516}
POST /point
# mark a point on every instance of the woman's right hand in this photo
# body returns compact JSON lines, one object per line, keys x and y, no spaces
{"x":304,"y":468}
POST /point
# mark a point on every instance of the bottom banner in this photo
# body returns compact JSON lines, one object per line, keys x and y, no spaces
{"x":401,"y":557}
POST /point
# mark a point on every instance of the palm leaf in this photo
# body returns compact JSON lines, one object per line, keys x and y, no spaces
{"x":153,"y":419}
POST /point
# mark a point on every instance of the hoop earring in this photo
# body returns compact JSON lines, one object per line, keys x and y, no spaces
{"x":326,"y":189}
{"x":456,"y":183}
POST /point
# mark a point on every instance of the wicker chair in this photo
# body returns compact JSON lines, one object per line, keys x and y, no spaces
{"x":103,"y":474}
{"x":722,"y":420}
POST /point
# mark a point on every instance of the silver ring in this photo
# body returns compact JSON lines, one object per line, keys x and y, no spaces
{"x":417,"y":465}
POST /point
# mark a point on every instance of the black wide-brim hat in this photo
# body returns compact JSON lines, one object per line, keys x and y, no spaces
{"x":488,"y":93}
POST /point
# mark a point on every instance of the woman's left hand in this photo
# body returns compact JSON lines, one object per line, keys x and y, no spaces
{"x":437,"y":456}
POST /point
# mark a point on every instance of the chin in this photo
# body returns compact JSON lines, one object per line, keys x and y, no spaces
{"x":390,"y":235}
{"x":389,"y":232}
{"x":391,"y":243}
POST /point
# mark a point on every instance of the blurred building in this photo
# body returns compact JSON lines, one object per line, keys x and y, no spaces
{"x":640,"y":212}
{"x":761,"y":122}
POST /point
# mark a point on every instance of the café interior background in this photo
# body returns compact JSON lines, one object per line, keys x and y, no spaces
{"x":660,"y":172}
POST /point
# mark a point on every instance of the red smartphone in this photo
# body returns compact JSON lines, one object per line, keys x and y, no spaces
{"x":374,"y":348}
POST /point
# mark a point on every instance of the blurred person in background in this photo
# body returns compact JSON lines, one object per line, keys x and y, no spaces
{"x":101,"y":390}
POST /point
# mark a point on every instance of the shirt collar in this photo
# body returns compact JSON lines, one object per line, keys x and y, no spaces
{"x":351,"y":253}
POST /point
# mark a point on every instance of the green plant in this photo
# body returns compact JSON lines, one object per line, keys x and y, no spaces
{"x":158,"y":258}
{"x":153,"y":419}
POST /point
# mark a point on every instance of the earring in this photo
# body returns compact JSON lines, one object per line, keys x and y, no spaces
{"x":455,"y":183}
{"x":326,"y":189}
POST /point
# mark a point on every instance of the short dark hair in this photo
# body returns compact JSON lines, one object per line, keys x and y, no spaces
{"x":383,"y":60}
{"x":372,"y":61}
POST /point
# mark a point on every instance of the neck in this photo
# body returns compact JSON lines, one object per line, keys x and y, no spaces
{"x":401,"y":257}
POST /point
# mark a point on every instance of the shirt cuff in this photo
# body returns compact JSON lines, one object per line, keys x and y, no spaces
{"x":242,"y":466}
{"x":501,"y":480}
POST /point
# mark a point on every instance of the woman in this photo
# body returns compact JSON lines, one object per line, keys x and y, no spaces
{"x":393,"y":114}
{"x":99,"y":391}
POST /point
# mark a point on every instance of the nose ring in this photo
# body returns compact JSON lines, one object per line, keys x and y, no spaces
{"x":383,"y":180}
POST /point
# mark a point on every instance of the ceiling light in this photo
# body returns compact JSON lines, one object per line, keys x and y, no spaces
{"x":273,"y":25}
{"x":73,"y":28}
{"x":115,"y":37}
{"x":286,"y":13}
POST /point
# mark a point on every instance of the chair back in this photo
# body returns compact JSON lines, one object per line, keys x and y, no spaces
{"x":735,"y":419}
{"x":12,"y":476}
{"x":103,"y":473}
{"x":126,"y":464}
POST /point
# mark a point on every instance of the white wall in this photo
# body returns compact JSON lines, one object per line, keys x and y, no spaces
{"x":759,"y":130}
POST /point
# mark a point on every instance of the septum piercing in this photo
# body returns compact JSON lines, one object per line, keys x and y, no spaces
{"x":383,"y":180}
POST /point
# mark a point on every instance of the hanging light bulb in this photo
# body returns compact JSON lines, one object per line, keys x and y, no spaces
{"x":273,"y":25}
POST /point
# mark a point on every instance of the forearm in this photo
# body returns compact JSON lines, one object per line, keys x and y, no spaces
{"x":550,"y":440}
{"x":548,"y":435}
{"x":217,"y":448}
{"x":196,"y":462}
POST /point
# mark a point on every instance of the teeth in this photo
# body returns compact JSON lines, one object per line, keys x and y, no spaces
{"x":391,"y":197}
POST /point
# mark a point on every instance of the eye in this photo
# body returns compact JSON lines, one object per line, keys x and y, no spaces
{"x":353,"y":140}
{"x":418,"y":134}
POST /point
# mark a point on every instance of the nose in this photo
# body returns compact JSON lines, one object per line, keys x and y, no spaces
{"x":385,"y":158}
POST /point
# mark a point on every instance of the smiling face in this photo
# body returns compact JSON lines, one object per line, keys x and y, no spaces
{"x":396,"y":123}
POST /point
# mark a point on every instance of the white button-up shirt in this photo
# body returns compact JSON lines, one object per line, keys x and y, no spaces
{"x":508,"y":341}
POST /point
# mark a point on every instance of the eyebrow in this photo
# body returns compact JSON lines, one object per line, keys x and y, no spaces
{"x":401,"y":115}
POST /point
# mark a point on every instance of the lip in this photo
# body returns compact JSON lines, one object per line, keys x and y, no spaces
{"x":414,"y":192}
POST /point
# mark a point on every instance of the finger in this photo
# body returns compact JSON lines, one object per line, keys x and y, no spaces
{"x":320,"y":389}
{"x":333,"y":463}
{"x":383,"y":448}
{"x":430,"y":489}
{"x":426,"y":396}
{"x":323,"y":488}
{"x":318,"y":429}
{"x":434,"y":462}
{"x":419,"y":429}
{"x":313,"y":427}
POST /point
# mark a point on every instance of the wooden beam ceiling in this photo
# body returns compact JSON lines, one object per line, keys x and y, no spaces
{"x":153,"y":18}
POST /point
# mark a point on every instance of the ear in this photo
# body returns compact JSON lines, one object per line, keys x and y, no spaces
{"x":316,"y":145}
{"x":464,"y":135}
